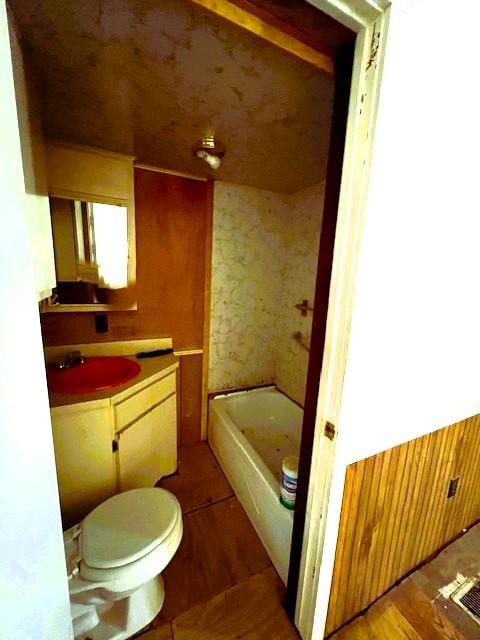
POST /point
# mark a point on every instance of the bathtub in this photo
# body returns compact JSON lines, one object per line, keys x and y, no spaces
{"x":250,"y":432}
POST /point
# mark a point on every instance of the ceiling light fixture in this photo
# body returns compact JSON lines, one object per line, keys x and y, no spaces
{"x":209,"y":150}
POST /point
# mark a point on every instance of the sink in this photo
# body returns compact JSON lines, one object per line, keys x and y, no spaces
{"x":94,"y":374}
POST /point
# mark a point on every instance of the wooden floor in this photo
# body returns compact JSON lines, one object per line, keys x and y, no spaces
{"x":420,"y":607}
{"x":220,"y":584}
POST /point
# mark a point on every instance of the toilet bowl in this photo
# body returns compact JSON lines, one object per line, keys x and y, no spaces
{"x":115,"y":557}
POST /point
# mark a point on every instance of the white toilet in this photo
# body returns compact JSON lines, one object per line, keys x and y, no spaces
{"x":114,"y":560}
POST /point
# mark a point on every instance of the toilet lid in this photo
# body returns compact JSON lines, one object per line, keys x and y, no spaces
{"x":127,"y":526}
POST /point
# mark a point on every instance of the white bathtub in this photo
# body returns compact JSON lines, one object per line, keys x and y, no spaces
{"x":250,"y":433}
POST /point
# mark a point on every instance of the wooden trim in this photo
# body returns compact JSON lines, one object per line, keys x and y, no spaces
{"x":83,"y":147}
{"x":343,"y":68}
{"x":327,"y":474}
{"x":86,"y":308}
{"x":357,"y":15}
{"x":268,"y":31}
{"x":188,"y":352}
{"x":191,"y":398}
{"x":170,"y":172}
{"x":206,"y":310}
{"x":228,"y":392}
{"x":310,"y":34}
{"x":67,"y":194}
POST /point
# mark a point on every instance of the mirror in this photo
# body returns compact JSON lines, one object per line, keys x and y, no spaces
{"x":92,"y":244}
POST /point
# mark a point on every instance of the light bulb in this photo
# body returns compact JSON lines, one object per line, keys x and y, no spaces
{"x":213,"y":161}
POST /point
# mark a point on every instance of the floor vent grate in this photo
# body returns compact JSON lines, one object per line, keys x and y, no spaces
{"x":467,"y":597}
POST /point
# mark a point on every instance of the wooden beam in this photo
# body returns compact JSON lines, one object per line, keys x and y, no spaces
{"x":270,"y":30}
{"x":302,"y":21}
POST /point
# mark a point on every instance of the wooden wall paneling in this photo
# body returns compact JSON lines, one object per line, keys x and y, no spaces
{"x":417,"y":498}
{"x":472,"y":477}
{"x":434,"y":525}
{"x":396,"y":513}
{"x":468,"y":468}
{"x":385,"y":529}
{"x":377,"y":499}
{"x":190,"y":398}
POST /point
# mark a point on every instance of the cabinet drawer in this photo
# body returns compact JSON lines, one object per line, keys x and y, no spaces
{"x":129,"y":410}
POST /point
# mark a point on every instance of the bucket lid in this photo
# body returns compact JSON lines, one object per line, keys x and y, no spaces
{"x":290,"y":466}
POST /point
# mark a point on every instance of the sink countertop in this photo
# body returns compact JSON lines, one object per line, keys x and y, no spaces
{"x":156,"y":368}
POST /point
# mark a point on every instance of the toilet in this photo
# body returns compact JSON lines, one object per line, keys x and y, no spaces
{"x":115,"y":557}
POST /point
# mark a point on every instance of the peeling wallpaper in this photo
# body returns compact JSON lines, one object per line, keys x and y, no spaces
{"x":247,"y":233}
{"x":264,"y":261}
{"x":301,"y":236}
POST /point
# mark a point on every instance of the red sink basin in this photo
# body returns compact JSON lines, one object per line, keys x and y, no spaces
{"x":94,"y":374}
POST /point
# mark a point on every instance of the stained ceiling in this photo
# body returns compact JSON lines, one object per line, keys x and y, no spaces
{"x":150,"y":77}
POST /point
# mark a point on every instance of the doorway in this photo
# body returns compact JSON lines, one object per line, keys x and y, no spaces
{"x":319,"y":337}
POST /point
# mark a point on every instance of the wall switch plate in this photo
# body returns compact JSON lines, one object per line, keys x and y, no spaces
{"x":101,"y":323}
{"x":452,"y":487}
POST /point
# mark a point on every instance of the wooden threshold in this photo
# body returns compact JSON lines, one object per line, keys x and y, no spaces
{"x":270,"y":29}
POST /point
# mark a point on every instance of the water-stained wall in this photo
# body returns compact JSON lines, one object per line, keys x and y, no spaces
{"x":149,"y":78}
{"x":264,"y":261}
{"x":246,"y":272}
{"x":301,"y":237}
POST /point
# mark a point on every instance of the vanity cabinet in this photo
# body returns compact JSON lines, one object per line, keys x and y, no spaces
{"x":125,"y":441}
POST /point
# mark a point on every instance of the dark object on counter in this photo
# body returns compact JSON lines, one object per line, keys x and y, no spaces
{"x":154,"y":354}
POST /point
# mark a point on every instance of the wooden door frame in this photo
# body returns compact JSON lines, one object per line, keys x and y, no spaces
{"x":369,"y":20}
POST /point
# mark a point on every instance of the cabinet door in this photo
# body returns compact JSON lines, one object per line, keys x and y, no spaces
{"x":147,"y":449}
{"x":84,"y":460}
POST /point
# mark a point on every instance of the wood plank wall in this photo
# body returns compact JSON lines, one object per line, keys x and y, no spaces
{"x":396,"y":513}
{"x":173,"y":220}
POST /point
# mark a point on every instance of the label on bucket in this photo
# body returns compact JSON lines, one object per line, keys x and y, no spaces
{"x":288,"y":492}
{"x":288,"y":484}
{"x":288,"y":504}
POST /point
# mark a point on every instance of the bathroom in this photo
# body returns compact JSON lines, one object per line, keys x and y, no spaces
{"x":222,"y":263}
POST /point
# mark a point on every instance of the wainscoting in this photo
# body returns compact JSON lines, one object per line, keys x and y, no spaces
{"x":396,"y":513}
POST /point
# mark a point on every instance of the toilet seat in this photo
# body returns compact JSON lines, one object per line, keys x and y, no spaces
{"x":127,"y":527}
{"x":125,"y":541}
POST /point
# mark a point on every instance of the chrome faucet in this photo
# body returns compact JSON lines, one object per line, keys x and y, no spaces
{"x":71,"y":359}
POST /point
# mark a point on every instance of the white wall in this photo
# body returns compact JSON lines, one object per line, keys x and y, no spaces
{"x":33,"y":585}
{"x":415,"y":342}
{"x":264,"y":261}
